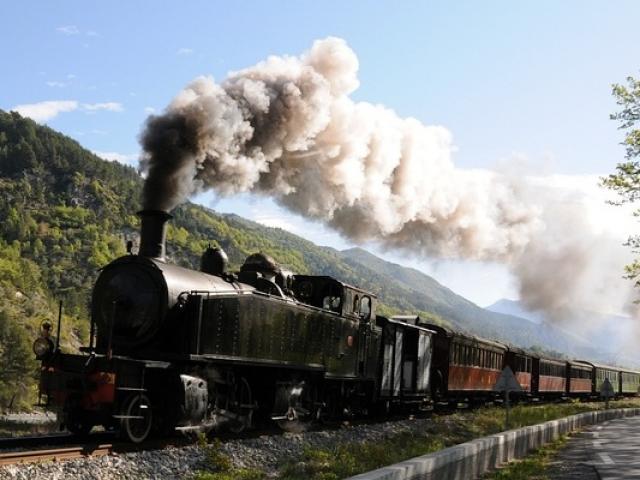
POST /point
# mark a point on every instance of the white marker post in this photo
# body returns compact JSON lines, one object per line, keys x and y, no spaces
{"x":506,"y":383}
{"x":606,"y":391}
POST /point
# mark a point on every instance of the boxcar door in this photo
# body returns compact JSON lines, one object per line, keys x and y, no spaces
{"x":424,"y":362}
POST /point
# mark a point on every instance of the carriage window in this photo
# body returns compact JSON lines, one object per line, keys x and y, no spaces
{"x":356,"y":304}
{"x":365,"y":308}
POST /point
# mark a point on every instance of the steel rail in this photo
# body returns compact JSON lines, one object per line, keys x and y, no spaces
{"x":66,"y":453}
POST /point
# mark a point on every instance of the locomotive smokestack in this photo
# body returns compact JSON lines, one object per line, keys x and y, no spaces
{"x":153,"y":233}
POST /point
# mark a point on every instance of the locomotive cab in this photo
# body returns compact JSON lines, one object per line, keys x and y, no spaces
{"x":330,"y":294}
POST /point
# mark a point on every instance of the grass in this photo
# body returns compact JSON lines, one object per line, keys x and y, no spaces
{"x":219,"y":466}
{"x":533,"y":467}
{"x":440,"y":432}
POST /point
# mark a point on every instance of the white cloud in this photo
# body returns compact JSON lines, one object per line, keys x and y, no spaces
{"x":43,"y":111}
{"x":109,"y":106}
{"x":71,"y":76}
{"x":74,"y":30}
{"x":130,"y":159}
{"x":185,"y":51}
{"x":149,"y":110}
{"x":68,"y":30}
{"x":56,"y":84}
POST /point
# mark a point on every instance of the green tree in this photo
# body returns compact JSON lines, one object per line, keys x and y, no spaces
{"x":626,"y":180}
{"x":16,"y":374}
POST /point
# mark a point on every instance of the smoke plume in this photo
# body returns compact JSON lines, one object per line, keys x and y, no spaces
{"x":287,"y":128}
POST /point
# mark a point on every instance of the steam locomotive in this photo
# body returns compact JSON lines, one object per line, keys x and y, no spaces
{"x":177,"y":349}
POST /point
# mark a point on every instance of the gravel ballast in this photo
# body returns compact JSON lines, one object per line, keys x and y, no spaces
{"x":264,"y":452}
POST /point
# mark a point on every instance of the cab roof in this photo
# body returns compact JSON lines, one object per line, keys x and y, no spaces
{"x":342,"y":284}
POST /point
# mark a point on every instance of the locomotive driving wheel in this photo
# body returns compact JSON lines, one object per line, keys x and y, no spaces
{"x":137,"y":418}
{"x":297,"y":401}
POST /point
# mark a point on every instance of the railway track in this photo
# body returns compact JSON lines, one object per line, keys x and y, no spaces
{"x":62,"y":453}
{"x":67,"y":447}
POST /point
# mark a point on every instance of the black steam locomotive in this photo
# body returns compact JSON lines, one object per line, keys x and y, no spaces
{"x":177,"y":349}
{"x":173,"y":348}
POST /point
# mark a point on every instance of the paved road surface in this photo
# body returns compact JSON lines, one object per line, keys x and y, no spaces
{"x":608,"y":451}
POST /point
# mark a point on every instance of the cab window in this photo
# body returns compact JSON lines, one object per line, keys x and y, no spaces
{"x":365,"y":308}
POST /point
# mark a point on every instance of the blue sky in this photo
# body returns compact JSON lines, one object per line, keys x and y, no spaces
{"x":507,"y":78}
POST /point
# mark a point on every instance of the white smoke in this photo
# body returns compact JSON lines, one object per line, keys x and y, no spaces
{"x":287,"y":128}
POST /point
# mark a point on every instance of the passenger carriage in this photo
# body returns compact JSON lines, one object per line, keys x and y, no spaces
{"x":551,"y":375}
{"x":629,"y":382}
{"x":521,"y":364}
{"x":465,"y":367}
{"x":579,"y":378}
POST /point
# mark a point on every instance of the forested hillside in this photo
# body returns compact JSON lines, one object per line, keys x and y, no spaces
{"x":66,"y":213}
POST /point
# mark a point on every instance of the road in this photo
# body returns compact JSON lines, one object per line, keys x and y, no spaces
{"x":608,"y":451}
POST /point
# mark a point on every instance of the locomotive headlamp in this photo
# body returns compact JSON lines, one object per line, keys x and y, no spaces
{"x":42,"y":347}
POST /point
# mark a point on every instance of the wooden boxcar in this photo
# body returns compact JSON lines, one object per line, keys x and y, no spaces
{"x":405,"y":363}
{"x":552,"y":376}
{"x":579,"y":378}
